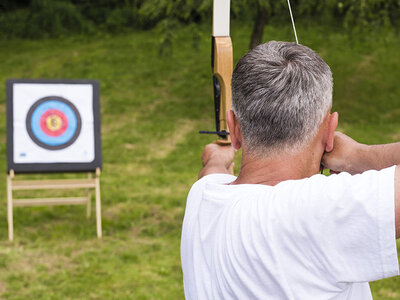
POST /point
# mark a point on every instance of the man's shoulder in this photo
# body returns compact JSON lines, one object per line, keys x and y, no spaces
{"x":343,"y":178}
{"x":213,"y":178}
{"x":337,"y":186}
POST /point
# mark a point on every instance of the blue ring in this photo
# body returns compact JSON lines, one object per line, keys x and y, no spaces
{"x":53,"y":140}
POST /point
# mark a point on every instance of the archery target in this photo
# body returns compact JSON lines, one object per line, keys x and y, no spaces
{"x":53,"y":123}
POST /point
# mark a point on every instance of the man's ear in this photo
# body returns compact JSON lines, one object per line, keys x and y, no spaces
{"x":332,"y":125}
{"x":234,"y":130}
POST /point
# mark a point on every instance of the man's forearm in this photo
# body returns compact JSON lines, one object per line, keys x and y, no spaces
{"x":377,"y":157}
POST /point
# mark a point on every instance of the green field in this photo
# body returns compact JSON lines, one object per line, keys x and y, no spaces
{"x":152,"y":108}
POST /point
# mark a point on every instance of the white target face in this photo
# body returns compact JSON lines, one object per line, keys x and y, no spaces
{"x":53,"y":123}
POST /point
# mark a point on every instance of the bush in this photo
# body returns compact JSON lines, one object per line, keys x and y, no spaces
{"x":14,"y":23}
{"x":350,"y":13}
{"x":52,"y":18}
{"x":120,"y":18}
{"x":44,"y":18}
{"x":371,"y":13}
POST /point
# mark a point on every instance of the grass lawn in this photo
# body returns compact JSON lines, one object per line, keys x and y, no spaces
{"x":152,"y":108}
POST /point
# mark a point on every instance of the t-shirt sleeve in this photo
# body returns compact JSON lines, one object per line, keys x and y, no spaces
{"x":349,"y":225}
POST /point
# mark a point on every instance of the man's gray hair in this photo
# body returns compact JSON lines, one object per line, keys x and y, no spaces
{"x":281,"y":93}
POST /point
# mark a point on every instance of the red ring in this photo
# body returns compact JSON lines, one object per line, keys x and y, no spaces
{"x":47,"y":130}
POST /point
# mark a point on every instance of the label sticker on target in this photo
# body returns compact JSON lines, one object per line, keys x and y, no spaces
{"x":53,"y":125}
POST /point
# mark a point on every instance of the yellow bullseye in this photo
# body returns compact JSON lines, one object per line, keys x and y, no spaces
{"x":53,"y":122}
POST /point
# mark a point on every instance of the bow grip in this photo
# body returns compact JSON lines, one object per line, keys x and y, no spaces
{"x":222,"y":66}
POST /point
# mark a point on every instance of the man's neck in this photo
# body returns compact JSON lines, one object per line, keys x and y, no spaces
{"x":278,"y":168}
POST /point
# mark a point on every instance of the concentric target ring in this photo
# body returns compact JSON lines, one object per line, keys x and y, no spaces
{"x":53,"y":123}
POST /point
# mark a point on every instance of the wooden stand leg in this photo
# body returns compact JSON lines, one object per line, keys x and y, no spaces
{"x":61,"y":184}
{"x":10,"y":206}
{"x":89,"y":199}
{"x":98,"y":204}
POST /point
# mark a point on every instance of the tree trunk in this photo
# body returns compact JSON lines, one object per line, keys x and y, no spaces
{"x":258,"y":29}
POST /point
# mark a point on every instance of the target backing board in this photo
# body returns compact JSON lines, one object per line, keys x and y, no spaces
{"x":53,"y":125}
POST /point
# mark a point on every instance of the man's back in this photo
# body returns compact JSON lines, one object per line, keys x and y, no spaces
{"x":278,"y":230}
{"x":313,"y":238}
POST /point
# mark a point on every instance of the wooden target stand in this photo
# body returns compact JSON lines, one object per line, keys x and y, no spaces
{"x":89,"y":183}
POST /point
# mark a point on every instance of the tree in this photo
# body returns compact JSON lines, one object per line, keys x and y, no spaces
{"x":259,"y":24}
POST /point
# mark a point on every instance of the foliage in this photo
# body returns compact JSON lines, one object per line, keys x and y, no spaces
{"x":348,"y":12}
{"x":9,"y":5}
{"x":119,"y":19}
{"x":53,"y":18}
{"x":374,"y":13}
{"x":44,"y":18}
{"x":152,"y":109}
{"x":14,"y":23}
{"x":41,"y":18}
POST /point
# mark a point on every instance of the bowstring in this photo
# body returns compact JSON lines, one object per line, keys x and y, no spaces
{"x":291,"y":17}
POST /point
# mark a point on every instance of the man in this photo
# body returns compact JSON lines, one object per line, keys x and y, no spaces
{"x":280,"y":230}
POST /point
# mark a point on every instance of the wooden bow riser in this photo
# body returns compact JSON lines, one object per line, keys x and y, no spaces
{"x":222,"y":70}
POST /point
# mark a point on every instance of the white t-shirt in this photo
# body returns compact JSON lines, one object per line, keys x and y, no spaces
{"x":315,"y":238}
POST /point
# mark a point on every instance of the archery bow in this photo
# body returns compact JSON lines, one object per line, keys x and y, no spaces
{"x":222,"y":65}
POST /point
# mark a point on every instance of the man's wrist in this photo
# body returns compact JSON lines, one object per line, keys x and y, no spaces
{"x":365,"y":158}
